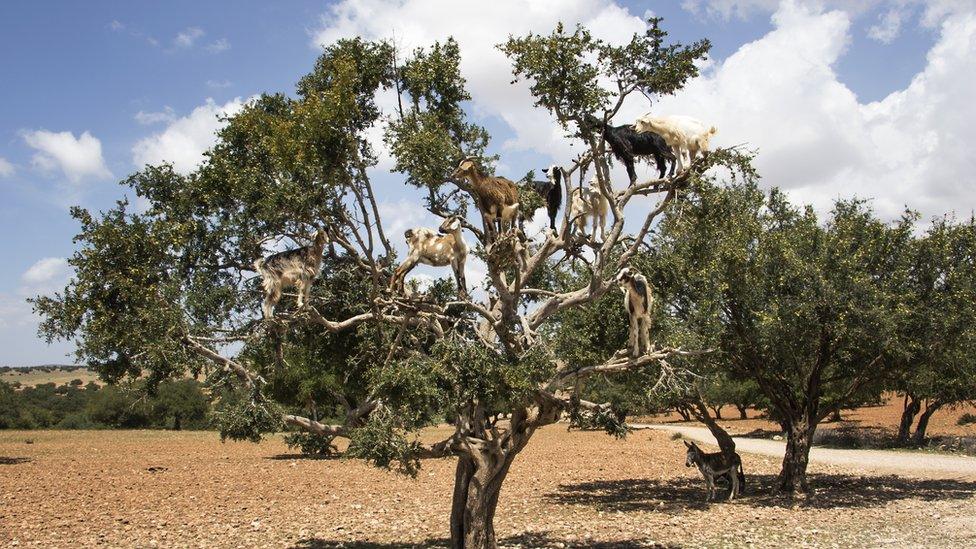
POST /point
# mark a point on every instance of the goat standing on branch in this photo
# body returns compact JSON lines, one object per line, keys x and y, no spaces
{"x":551,"y":191}
{"x":589,"y":203}
{"x":291,"y":268}
{"x":637,"y":301}
{"x":716,"y":465}
{"x":627,"y":144}
{"x":684,"y":134}
{"x":429,"y":248}
{"x":495,"y":197}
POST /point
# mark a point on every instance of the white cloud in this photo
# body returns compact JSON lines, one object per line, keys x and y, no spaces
{"x":185,"y":139}
{"x":402,"y":215}
{"x":6,"y":168}
{"x":889,"y":25}
{"x":148,"y":118}
{"x":77,"y":158}
{"x":219,"y":46}
{"x":186,"y":38}
{"x":116,"y":26}
{"x":416,"y":23}
{"x":45,"y":270}
{"x":218,"y":84}
{"x":781,"y":94}
{"x":744,"y":9}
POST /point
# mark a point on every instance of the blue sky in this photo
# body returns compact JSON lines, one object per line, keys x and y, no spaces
{"x":831,"y":94}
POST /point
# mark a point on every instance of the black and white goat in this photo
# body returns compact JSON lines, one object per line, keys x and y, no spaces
{"x":438,"y":250}
{"x":551,"y":191}
{"x":291,"y":268}
{"x":627,"y":144}
{"x":638,"y":301}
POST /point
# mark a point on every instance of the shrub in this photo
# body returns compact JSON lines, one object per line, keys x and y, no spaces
{"x":966,"y":419}
{"x":311,"y":444}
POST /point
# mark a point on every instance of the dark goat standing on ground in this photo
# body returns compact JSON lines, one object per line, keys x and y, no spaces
{"x":627,"y":144}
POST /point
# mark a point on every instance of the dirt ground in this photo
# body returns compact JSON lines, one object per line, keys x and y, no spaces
{"x":886,"y":416}
{"x":567,"y":489}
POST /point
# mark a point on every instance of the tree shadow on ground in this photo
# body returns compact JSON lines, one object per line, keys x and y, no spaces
{"x":831,"y":491}
{"x":534,"y":539}
{"x":298,"y":456}
{"x":13,"y":460}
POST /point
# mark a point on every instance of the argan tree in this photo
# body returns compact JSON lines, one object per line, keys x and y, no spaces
{"x":806,"y":308}
{"x":171,"y":288}
{"x":938,"y":328}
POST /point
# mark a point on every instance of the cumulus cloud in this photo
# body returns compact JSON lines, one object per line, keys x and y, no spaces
{"x":416,"y":23}
{"x":78,"y":158}
{"x":185,"y":139}
{"x":149,"y":118}
{"x":782,"y":95}
{"x":779,"y":94}
{"x":6,"y":168}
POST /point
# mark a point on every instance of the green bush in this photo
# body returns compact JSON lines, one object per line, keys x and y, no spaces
{"x":966,"y":419}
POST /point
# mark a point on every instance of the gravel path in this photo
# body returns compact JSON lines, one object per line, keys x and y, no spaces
{"x":890,"y":461}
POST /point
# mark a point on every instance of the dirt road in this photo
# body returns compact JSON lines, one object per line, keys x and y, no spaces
{"x":888,"y":461}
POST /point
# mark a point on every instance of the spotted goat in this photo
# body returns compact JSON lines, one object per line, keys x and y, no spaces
{"x":295,"y":268}
{"x":440,"y":248}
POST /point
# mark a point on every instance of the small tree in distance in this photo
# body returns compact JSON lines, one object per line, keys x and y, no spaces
{"x":171,"y":289}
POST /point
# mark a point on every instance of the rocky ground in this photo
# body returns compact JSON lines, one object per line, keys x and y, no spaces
{"x":166,"y":489}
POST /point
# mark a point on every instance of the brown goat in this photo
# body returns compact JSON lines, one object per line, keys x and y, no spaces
{"x":496,"y":197}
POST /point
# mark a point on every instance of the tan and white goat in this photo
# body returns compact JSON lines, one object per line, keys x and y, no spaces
{"x":291,"y":268}
{"x":638,"y":301}
{"x":438,"y":250}
{"x":589,"y":203}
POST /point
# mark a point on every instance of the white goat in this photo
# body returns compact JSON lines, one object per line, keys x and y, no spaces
{"x":438,"y":250}
{"x":291,"y":268}
{"x":589,"y":203}
{"x":684,"y":134}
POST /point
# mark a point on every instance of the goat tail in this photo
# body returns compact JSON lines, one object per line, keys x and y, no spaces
{"x":742,"y":477}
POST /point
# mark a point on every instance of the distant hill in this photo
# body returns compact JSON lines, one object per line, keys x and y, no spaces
{"x":58,"y":374}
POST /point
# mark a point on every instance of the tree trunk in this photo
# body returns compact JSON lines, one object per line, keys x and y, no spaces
{"x":742,"y":411}
{"x":910,"y":409}
{"x":725,"y":442}
{"x":683,"y":413}
{"x":835,"y":416}
{"x":477,"y":485}
{"x":718,"y":411}
{"x":793,"y":475}
{"x":918,"y":438}
{"x":176,"y":422}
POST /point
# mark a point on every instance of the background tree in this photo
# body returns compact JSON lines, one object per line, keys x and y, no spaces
{"x":170,"y":290}
{"x":805,"y":310}
{"x":938,"y":332}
